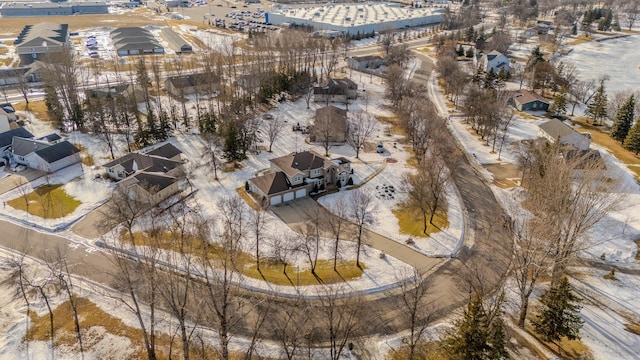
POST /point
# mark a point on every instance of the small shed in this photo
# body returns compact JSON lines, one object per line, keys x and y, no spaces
{"x":527,"y":101}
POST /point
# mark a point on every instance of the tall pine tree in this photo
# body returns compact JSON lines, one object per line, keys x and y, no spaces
{"x":632,"y":142}
{"x":558,"y":316}
{"x":479,"y":335}
{"x":623,"y":120}
{"x":598,"y":106}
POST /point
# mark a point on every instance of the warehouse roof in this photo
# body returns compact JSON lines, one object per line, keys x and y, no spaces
{"x":35,"y":35}
{"x":175,"y":41}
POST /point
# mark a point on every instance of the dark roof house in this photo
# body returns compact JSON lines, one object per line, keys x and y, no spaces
{"x":527,"y":101}
{"x":57,"y":151}
{"x":6,"y":138}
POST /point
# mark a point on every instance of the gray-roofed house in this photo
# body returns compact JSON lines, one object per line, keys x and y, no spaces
{"x":135,"y":41}
{"x":330,"y":125}
{"x":42,"y":155}
{"x":176,"y":42}
{"x":336,"y":90}
{"x":6,"y":138}
{"x":365,"y":62}
{"x":133,"y":162}
{"x":525,"y":100}
{"x":555,"y":131}
{"x":167,"y":151}
{"x":202,"y":84}
{"x":35,"y":41}
{"x":149,"y":188}
{"x":295,"y":175}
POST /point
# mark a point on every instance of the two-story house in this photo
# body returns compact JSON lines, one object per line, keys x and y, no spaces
{"x":494,"y":60}
{"x":295,"y":175}
{"x":150,"y":176}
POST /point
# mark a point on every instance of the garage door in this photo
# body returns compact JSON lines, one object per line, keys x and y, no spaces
{"x":301,"y":193}
{"x":276,"y":200}
{"x":288,"y":196}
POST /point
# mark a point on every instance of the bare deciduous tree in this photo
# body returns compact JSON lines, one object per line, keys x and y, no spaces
{"x":360,"y":128}
{"x":274,"y":130}
{"x":362,"y":214}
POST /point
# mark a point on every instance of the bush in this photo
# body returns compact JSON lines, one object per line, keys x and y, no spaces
{"x":350,"y":181}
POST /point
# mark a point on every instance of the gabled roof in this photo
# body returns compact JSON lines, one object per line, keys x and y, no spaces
{"x":7,"y":137}
{"x":295,"y":163}
{"x":50,"y":138}
{"x":556,"y":128}
{"x":272,"y":183}
{"x":166,"y":151}
{"x":57,"y":151}
{"x":23,"y":147}
{"x":191,"y":80}
{"x":144,"y":162}
{"x":35,"y":35}
{"x":153,"y":182}
{"x":175,"y":41}
{"x":524,"y":97}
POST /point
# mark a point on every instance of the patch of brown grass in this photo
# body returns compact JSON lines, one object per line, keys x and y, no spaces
{"x":601,"y":138}
{"x":199,"y":43}
{"x":248,"y":199}
{"x":6,"y":62}
{"x":4,"y":50}
{"x":568,"y":349}
{"x":638,"y":253}
{"x":91,"y":316}
{"x":394,"y":122}
{"x":424,"y":351}
{"x":411,"y":222}
{"x":633,"y":328}
{"x":270,"y":270}
{"x":37,"y":108}
{"x":580,"y":39}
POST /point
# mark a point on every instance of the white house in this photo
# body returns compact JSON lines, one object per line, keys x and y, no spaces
{"x":494,"y":60}
{"x":555,"y":130}
{"x":5,"y":124}
{"x":44,"y":156}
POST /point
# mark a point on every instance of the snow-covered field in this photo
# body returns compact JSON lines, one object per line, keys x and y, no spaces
{"x":616,"y":59}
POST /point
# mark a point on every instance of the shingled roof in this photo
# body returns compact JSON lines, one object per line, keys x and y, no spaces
{"x":143,"y":162}
{"x":57,"y":151}
{"x":166,"y":151}
{"x":297,"y":162}
{"x":7,"y":137}
{"x":272,"y":183}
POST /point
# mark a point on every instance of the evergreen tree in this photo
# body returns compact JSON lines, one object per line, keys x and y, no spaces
{"x":598,"y":106}
{"x":559,"y":105}
{"x":558,"y":316}
{"x":616,"y":24}
{"x":632,"y":142}
{"x":479,"y":335}
{"x":470,"y":34}
{"x":503,"y":74}
{"x":164,"y":128}
{"x":232,"y":142}
{"x":574,"y":29}
{"x":460,"y":51}
{"x":623,"y":120}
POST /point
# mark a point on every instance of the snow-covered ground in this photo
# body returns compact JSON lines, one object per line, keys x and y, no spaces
{"x":594,"y":60}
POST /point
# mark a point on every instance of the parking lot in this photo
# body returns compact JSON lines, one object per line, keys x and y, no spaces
{"x":235,"y":15}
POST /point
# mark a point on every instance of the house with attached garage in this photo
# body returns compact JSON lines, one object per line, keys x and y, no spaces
{"x":44,"y":155}
{"x":6,"y":138}
{"x":150,"y":188}
{"x":150,"y":176}
{"x":365,"y":62}
{"x":296,"y":175}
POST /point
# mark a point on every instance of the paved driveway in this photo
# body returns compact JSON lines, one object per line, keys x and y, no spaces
{"x":18,"y":179}
{"x":296,"y":213}
{"x":89,"y":226}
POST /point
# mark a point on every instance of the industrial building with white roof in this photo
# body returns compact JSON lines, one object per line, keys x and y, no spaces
{"x":357,"y":18}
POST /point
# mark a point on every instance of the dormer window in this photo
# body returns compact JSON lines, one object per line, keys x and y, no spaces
{"x":296,"y":178}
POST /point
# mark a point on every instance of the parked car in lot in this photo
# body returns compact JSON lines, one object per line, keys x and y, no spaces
{"x":380,"y":148}
{"x":94,"y":54}
{"x":92,"y":48}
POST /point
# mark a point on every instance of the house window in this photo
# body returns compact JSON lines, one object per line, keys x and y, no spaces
{"x":296,"y":178}
{"x":316,"y":171}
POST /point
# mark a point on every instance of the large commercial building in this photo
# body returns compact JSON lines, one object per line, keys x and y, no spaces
{"x":53,"y":9}
{"x":357,"y":18}
{"x":35,"y":41}
{"x":135,"y":41}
